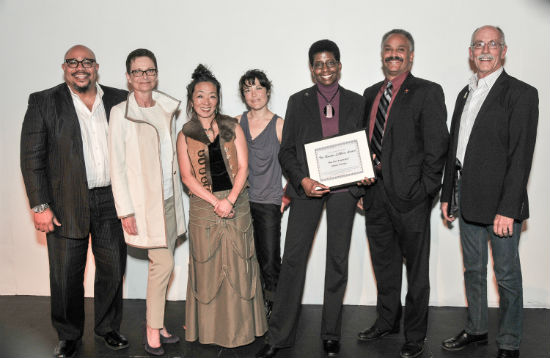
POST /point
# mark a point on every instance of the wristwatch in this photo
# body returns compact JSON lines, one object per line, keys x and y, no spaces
{"x":40,"y":208}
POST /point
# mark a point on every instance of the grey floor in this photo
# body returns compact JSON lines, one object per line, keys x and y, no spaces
{"x":25,"y":331}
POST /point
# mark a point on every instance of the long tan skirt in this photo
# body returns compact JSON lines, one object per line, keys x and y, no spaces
{"x":224,"y":295}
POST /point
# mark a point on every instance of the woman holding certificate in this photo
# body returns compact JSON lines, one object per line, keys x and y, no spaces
{"x":323,"y":110}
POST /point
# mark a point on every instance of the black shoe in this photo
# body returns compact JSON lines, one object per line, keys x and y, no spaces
{"x":331,"y":346}
{"x":114,"y":340}
{"x":370,"y":334}
{"x":462,"y":340}
{"x":411,"y":350}
{"x":158,"y":351}
{"x":169,"y":340}
{"x":267,"y":351}
{"x":506,"y":353}
{"x":66,"y":349}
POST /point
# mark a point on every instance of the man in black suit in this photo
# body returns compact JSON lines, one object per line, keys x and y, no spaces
{"x":493,"y":136}
{"x":408,"y":135}
{"x":321,"y":111}
{"x":64,"y":163}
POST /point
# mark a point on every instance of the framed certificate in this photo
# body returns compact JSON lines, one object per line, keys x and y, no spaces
{"x":341,"y":160}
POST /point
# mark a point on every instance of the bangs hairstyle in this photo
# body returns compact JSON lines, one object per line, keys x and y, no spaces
{"x":140,"y":52}
{"x":247,"y":80}
{"x":324,"y":46}
{"x":202,"y":74}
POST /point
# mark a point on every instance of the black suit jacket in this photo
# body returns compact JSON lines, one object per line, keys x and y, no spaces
{"x":52,"y":158}
{"x":303,"y":125}
{"x":499,"y":152}
{"x":414,"y":144}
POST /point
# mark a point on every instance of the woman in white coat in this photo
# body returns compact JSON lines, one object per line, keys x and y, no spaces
{"x":146,"y":184}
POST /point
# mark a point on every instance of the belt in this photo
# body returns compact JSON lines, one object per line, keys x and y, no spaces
{"x":100,"y":188}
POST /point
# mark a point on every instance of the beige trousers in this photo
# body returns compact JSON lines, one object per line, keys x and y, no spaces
{"x":161,"y":265}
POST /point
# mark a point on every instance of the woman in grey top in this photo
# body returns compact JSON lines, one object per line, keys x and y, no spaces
{"x":263,"y":131}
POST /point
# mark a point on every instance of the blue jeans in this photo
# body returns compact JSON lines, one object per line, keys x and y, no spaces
{"x":507,"y":267}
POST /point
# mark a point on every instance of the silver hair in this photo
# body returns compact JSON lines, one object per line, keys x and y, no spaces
{"x":501,"y":33}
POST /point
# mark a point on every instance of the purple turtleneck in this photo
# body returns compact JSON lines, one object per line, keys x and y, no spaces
{"x":330,"y":125}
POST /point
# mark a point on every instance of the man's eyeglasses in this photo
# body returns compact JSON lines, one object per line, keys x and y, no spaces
{"x":319,"y":65}
{"x":478,"y":45}
{"x":86,"y":63}
{"x":140,"y":73}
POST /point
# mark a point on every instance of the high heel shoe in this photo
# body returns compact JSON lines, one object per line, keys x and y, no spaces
{"x":158,"y":351}
{"x":172,"y":338}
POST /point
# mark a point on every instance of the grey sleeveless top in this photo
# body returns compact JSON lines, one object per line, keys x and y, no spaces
{"x":264,"y":170}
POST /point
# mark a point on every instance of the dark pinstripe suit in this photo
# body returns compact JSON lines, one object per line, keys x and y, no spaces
{"x":52,"y":164}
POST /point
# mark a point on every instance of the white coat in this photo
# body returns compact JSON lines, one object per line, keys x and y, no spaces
{"x":136,"y":170}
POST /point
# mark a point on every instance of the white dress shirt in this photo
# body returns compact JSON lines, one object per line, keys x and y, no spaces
{"x":94,"y":130}
{"x":478,"y":91}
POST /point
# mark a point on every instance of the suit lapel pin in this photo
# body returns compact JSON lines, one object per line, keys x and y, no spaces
{"x":406,"y":90}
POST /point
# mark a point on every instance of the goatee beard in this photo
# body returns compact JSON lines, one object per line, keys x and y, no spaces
{"x":82,"y":89}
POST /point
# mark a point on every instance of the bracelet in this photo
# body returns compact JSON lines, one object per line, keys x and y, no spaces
{"x":232,"y":204}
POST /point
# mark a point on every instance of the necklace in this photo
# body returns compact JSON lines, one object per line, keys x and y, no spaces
{"x":209,"y":129}
{"x":328,"y":110}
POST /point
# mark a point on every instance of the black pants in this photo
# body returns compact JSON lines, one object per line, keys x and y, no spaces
{"x":266,"y":219}
{"x":67,"y":259}
{"x":393,"y":237}
{"x":302,"y":223}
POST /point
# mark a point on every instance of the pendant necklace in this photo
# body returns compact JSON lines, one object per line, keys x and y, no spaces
{"x":328,"y":110}
{"x":209,"y":129}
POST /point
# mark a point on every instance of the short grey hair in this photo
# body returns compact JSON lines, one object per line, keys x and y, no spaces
{"x":399,"y":32}
{"x":500,"y":32}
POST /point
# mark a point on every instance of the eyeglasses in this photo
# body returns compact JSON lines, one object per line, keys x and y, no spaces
{"x":148,"y":72}
{"x":478,"y":45}
{"x":330,"y":64}
{"x":86,"y":63}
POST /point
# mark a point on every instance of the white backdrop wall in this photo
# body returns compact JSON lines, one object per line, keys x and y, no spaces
{"x":233,"y":36}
